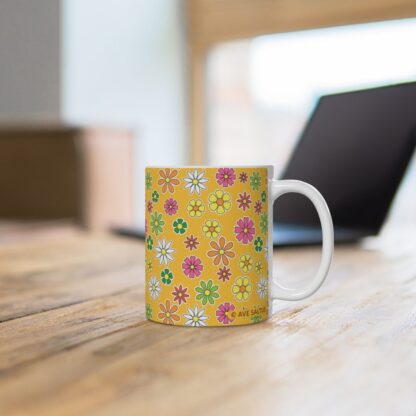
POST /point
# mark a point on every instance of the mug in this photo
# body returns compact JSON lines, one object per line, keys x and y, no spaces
{"x":209,"y":244}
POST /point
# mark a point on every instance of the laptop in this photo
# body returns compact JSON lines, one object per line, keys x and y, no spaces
{"x":354,"y":149}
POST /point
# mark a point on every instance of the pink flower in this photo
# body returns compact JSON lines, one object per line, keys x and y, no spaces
{"x":244,"y":230}
{"x":225,"y":177}
{"x":180,"y":294}
{"x":225,"y":313}
{"x":192,"y":266}
{"x":244,"y":201}
{"x":243,"y":177}
{"x":171,"y":206}
{"x":149,"y":206}
{"x":224,"y":274}
{"x":191,"y":242}
{"x":258,"y":207}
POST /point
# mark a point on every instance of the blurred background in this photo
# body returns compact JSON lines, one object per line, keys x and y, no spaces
{"x":93,"y":91}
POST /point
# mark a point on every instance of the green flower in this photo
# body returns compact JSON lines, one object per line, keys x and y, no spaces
{"x":255,"y":181}
{"x":166,"y":276}
{"x":263,"y":196}
{"x":155,"y":196}
{"x":258,"y":244}
{"x":207,"y":292}
{"x":157,"y":223}
{"x":149,"y":242}
{"x":148,"y":180}
{"x":264,"y":223}
{"x":255,"y":319}
{"x":180,"y":226}
{"x":149,"y":311}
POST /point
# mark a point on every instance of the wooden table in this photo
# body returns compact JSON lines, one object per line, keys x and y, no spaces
{"x":74,"y":339}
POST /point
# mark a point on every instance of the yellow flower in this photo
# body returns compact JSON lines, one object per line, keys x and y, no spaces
{"x":195,"y":208}
{"x":219,"y":202}
{"x":149,"y":265}
{"x":211,"y":228}
{"x":246,"y":263}
{"x":259,"y":267}
{"x":242,"y":288}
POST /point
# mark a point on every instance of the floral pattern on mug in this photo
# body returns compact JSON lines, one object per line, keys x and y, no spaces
{"x":244,"y":230}
{"x":171,"y":206}
{"x":167,"y":313}
{"x":242,"y":288}
{"x":211,"y":229}
{"x":168,"y":180}
{"x":192,"y":267}
{"x":221,"y":252}
{"x":206,"y":245}
{"x":195,"y":208}
{"x":207,"y":292}
{"x":225,"y":313}
{"x":195,"y":181}
{"x":219,"y":201}
{"x":195,"y":317}
{"x":225,"y":177}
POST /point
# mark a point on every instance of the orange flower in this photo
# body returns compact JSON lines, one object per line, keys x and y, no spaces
{"x":221,"y":251}
{"x":167,"y":313}
{"x":167,"y":179}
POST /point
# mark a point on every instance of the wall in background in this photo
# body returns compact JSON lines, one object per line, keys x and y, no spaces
{"x":99,"y":62}
{"x":30,"y":59}
{"x":124,"y":64}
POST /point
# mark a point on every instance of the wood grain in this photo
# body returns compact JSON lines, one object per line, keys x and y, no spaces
{"x":64,"y":273}
{"x":350,"y":349}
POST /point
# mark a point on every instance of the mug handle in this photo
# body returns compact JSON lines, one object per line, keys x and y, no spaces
{"x":278,"y":188}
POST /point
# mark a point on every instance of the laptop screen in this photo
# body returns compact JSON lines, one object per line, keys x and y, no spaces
{"x":354,"y":150}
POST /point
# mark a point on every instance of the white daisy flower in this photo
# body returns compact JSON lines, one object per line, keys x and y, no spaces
{"x":195,"y":317}
{"x":195,"y":181}
{"x":164,"y":251}
{"x":262,"y":287}
{"x":154,"y":287}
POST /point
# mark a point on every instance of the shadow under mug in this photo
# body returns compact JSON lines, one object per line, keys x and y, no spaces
{"x":209,"y":244}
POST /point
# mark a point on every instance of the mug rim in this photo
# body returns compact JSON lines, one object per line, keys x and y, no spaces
{"x":209,"y":166}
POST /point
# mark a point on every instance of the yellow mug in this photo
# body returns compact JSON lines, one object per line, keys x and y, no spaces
{"x":209,"y":244}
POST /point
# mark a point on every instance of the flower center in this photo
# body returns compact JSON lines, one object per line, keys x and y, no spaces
{"x":195,"y":208}
{"x":192,"y":267}
{"x":245,"y":201}
{"x":180,"y":294}
{"x":156,"y":223}
{"x":195,"y":181}
{"x":163,"y":251}
{"x":207,"y":292}
{"x":227,"y":313}
{"x":225,"y":176}
{"x":195,"y":319}
{"x":245,"y":230}
{"x":242,"y":288}
{"x":222,"y":252}
{"x":167,"y":180}
{"x":220,"y":201}
{"x":180,"y":226}
{"x":211,"y":229}
{"x":167,"y":314}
